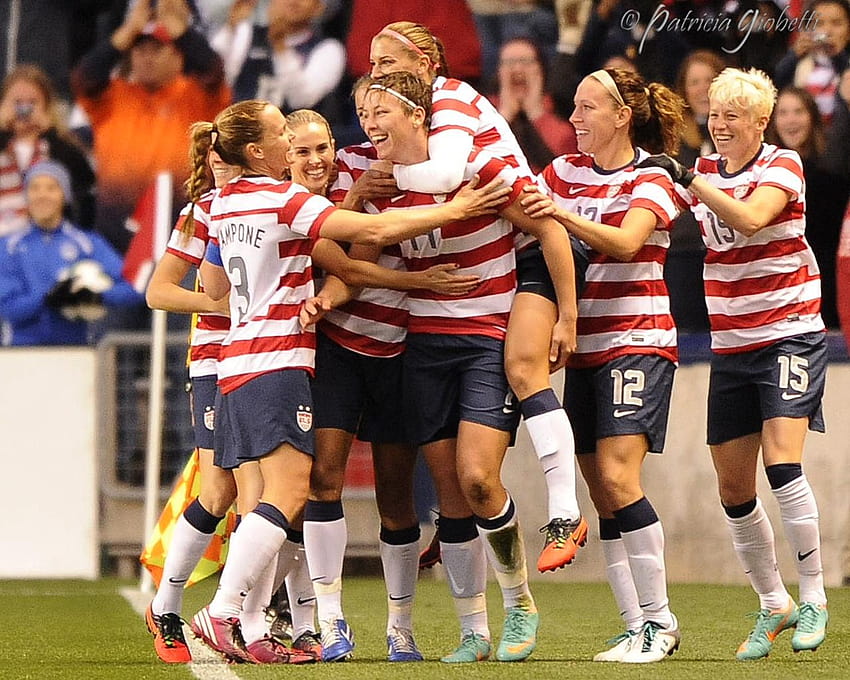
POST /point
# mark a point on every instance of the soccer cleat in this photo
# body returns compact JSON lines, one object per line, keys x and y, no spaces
{"x":401,"y":646}
{"x":811,"y":627}
{"x":432,"y":555}
{"x":168,"y":640}
{"x":769,"y":624}
{"x":337,"y":640}
{"x":653,"y":643}
{"x":280,"y":624}
{"x":563,"y":539}
{"x":221,"y":635}
{"x":309,"y":643}
{"x":268,"y":650}
{"x":473,"y":647}
{"x":519,"y":634}
{"x":618,"y":646}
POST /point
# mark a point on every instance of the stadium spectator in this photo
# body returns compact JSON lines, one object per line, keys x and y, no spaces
{"x":55,"y":278}
{"x":140,"y":117}
{"x":797,"y":125}
{"x":819,"y":56}
{"x":769,"y":365}
{"x":620,"y":379}
{"x":32,"y":129}
{"x":498,"y":21}
{"x":286,"y":60}
{"x":525,"y":104}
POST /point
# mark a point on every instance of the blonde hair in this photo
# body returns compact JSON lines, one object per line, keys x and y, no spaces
{"x":305,"y":116}
{"x":424,"y":42}
{"x":232,"y":130}
{"x":751,"y":91}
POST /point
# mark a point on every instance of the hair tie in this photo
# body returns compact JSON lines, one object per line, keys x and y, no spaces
{"x":605,"y":79}
{"x":213,"y":136}
{"x":407,"y":42}
{"x":394,"y":93}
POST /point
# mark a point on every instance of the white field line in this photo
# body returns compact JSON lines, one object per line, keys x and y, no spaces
{"x":206,"y":664}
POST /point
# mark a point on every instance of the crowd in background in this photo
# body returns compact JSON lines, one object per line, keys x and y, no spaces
{"x":111,"y":100}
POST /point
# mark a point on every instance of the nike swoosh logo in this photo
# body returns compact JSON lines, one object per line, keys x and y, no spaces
{"x":177,"y":581}
{"x":619,"y":413}
{"x":572,"y":191}
{"x":802,"y":556}
{"x":305,"y":600}
{"x":788,"y":396}
{"x":396,"y":599}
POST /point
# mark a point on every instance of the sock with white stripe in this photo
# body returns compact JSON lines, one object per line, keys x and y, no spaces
{"x":552,"y":437}
{"x":253,"y":546}
{"x":799,"y":512}
{"x":466,"y":571}
{"x":400,"y":559}
{"x":752,"y":538}
{"x":192,"y":534}
{"x":619,"y":574}
{"x":325,"y":539}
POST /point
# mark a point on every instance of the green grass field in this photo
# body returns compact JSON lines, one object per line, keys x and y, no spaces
{"x":79,"y":630}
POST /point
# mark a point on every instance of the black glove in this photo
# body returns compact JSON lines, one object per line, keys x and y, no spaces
{"x":678,"y":172}
{"x":60,"y":295}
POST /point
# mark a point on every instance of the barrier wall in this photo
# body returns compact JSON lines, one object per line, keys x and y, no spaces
{"x":48,"y":484}
{"x":681,"y":485}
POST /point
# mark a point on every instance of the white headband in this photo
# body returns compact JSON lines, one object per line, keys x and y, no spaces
{"x":397,"y":95}
{"x":603,"y":77}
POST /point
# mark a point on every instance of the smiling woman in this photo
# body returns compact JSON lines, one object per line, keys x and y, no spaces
{"x":767,"y":377}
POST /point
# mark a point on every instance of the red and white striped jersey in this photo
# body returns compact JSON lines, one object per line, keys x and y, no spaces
{"x":482,"y":246}
{"x":456,"y":105}
{"x":265,"y":230}
{"x":375,"y":322}
{"x":765,"y":287}
{"x":208,"y":330}
{"x":351,"y":162}
{"x":624,"y":308}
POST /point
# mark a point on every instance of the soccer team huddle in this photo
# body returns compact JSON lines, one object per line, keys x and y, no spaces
{"x":418,"y":290}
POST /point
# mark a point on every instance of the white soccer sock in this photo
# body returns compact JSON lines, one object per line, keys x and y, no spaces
{"x":466,"y":571}
{"x":186,"y":549}
{"x":622,"y":585}
{"x":645,"y":550}
{"x":401,"y":566}
{"x":799,"y":512}
{"x":552,"y":438}
{"x":505,"y":551}
{"x":252,"y":619}
{"x":253,"y":546}
{"x":752,"y":538}
{"x":302,"y":599}
{"x":324,"y":543}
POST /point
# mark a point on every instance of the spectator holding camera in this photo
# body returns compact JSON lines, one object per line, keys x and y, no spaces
{"x":54,"y":277}
{"x":819,"y":56}
{"x":32,"y":130}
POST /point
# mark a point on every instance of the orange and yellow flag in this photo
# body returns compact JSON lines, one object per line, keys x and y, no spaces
{"x":185,"y":491}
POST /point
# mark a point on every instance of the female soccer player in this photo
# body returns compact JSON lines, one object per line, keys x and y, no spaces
{"x":620,"y":379}
{"x":198,"y":522}
{"x":455,"y":386}
{"x":768,"y":371}
{"x":263,"y":229}
{"x":539,"y":330}
{"x":356,"y":390}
